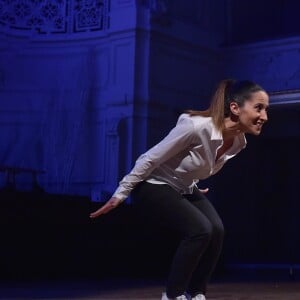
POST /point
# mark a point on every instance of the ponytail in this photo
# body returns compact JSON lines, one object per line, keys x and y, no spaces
{"x":216,"y":109}
{"x":227,"y":91}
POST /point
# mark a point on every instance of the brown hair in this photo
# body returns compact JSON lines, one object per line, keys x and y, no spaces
{"x":228,"y":90}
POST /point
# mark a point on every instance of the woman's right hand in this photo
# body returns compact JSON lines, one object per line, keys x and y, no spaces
{"x":107,"y":207}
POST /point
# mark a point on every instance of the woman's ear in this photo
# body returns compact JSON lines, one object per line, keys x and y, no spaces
{"x":234,"y":108}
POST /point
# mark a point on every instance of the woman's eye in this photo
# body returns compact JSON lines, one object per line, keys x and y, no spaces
{"x":258,"y":108}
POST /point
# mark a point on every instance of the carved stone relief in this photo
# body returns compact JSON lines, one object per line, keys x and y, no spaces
{"x":54,"y":17}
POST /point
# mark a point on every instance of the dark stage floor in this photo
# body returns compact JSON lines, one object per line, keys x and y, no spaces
{"x":145,"y":289}
{"x":50,"y":249}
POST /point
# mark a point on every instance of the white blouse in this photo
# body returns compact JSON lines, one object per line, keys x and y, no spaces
{"x":187,"y":154}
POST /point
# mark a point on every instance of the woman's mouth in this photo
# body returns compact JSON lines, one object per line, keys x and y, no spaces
{"x":259,"y":124}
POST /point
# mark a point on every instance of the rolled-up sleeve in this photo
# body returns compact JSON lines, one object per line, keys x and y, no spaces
{"x":178,"y":139}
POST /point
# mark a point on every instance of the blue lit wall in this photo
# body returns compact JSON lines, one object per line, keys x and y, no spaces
{"x":86,"y":86}
{"x":67,"y":81}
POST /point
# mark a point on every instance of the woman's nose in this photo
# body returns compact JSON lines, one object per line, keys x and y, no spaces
{"x":264,"y":115}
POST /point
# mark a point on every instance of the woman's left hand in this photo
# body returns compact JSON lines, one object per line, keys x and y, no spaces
{"x":112,"y":203}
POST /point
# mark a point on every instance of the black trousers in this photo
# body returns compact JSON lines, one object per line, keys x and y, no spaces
{"x":194,"y":218}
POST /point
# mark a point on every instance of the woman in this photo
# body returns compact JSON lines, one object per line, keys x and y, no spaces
{"x":164,"y":180}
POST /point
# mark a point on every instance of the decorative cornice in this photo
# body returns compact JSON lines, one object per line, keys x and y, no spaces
{"x":285,"y":97}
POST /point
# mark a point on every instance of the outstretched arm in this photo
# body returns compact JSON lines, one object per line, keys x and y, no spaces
{"x":180,"y":137}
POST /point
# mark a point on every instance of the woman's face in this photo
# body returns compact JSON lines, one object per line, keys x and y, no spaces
{"x":253,"y":114}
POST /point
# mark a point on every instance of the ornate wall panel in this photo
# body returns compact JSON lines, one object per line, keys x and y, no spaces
{"x":55,"y":113}
{"x":54,"y":17}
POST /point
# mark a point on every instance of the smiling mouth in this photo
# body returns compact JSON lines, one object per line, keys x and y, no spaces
{"x":259,"y":124}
